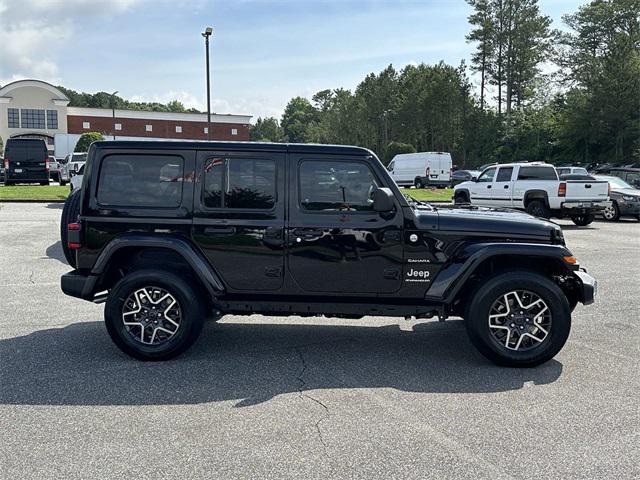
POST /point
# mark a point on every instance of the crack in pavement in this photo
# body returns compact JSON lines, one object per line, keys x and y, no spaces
{"x":302,"y":394}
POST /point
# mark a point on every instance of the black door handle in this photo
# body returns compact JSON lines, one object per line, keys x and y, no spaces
{"x":506,"y":186}
{"x":220,"y":230}
{"x":587,"y":186}
{"x":488,"y":186}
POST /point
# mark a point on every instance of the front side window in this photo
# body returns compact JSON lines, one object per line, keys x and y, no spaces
{"x":141,"y":180}
{"x":487,"y":175}
{"x":537,"y":173}
{"x":563,"y":171}
{"x":13,"y":115}
{"x":52,"y":119}
{"x":336,"y":186}
{"x":32,"y":118}
{"x":239,"y":183}
{"x":504,"y":174}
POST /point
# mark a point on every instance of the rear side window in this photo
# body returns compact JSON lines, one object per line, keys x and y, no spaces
{"x":141,"y":180}
{"x":331,"y":186}
{"x":537,"y":173}
{"x":504,"y":174}
{"x":239,"y":183}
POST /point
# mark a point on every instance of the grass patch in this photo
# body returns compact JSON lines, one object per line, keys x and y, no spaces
{"x":429,"y":194}
{"x":42,"y":193}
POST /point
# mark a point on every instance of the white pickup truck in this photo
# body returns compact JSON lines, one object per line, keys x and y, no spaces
{"x":535,"y":187}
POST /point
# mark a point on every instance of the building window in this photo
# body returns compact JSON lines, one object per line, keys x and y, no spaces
{"x":178,"y":129}
{"x":32,"y":118}
{"x":206,"y":129}
{"x":86,"y":125}
{"x":14,"y":117}
{"x":234,"y":131}
{"x":118,"y":126}
{"x":52,"y":119}
{"x":148,"y":128}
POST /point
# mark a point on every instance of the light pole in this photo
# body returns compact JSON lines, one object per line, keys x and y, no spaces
{"x":206,"y":34}
{"x":113,"y":113}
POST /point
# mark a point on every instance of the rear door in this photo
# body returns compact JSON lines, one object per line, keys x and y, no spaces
{"x":238,"y":220}
{"x":501,"y":191}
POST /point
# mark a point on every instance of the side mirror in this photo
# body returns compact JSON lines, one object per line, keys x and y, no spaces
{"x":382,"y":200}
{"x":474,"y":179}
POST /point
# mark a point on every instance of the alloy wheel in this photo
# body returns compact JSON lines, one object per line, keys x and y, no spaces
{"x":609,"y":212}
{"x":151,"y":315}
{"x":519,"y":320}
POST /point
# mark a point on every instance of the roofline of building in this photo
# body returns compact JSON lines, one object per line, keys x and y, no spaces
{"x":52,"y":88}
{"x":149,"y":115}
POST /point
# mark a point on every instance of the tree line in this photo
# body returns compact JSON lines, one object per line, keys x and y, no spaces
{"x":585,"y":109}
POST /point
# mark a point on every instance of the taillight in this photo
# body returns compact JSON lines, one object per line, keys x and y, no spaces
{"x":427,"y":172}
{"x":73,"y":236}
{"x":562,"y":189}
{"x":6,"y":164}
{"x":608,"y":189}
{"x":46,"y":164}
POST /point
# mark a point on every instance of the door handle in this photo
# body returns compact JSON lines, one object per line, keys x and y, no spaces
{"x":506,"y":186}
{"x":587,"y":186}
{"x":220,"y":230}
{"x":488,"y":186}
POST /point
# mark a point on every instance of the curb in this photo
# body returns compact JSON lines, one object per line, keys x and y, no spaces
{"x":16,"y":200}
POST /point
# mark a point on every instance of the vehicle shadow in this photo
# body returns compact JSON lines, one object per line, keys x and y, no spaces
{"x":54,"y":251}
{"x":250,"y":364}
{"x":55,"y":206}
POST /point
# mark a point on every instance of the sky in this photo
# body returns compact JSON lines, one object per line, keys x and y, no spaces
{"x":263,"y":52}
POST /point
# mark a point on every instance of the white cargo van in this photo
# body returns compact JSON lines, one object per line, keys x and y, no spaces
{"x":421,"y":169}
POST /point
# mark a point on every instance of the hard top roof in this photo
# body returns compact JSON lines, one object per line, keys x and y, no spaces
{"x":230,"y":146}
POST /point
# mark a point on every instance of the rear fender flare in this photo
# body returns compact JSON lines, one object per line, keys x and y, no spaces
{"x":207,"y":275}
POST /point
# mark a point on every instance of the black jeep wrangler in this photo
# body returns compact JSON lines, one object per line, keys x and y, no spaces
{"x":170,"y":233}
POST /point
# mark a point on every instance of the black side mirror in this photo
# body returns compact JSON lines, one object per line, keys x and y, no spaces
{"x":474,"y":179}
{"x":382,"y":200}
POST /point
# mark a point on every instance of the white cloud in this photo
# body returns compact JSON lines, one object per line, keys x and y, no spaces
{"x":33,"y":31}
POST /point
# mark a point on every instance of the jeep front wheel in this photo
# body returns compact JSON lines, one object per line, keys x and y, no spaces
{"x":153,"y":315}
{"x":518,"y":319}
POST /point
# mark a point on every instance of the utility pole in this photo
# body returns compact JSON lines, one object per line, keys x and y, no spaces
{"x":206,"y":34}
{"x":113,"y":114}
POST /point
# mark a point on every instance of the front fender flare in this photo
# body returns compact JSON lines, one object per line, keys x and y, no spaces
{"x":452,"y":278}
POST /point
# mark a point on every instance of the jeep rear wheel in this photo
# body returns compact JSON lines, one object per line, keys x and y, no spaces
{"x":538,"y":208}
{"x":518,"y":319}
{"x":153,"y":315}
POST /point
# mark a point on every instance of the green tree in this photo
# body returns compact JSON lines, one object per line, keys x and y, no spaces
{"x":297,"y":120}
{"x":267,"y":130}
{"x":86,"y":139}
{"x":395,"y":148}
{"x":482,"y":19}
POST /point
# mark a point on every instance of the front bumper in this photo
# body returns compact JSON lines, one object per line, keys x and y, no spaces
{"x":76,"y":284}
{"x":587,"y":287}
{"x":628,"y":207}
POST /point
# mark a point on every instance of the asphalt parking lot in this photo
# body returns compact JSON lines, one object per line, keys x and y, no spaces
{"x":266,"y":397}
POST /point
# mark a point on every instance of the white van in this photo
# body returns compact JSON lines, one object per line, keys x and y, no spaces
{"x":421,"y":169}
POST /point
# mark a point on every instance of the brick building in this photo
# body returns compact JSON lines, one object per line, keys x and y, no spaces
{"x":32,"y":108}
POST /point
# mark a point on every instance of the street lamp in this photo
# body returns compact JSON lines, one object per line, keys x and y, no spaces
{"x":206,"y":34}
{"x":113,"y":113}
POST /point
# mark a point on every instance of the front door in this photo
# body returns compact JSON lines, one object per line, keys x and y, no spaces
{"x":238,"y":219}
{"x":337,"y":243}
{"x":480,"y":191}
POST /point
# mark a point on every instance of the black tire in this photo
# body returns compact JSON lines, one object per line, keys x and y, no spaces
{"x":483,"y":338}
{"x":418,"y":183}
{"x":8,"y":183}
{"x":611,"y":214}
{"x":190,"y":305}
{"x":460,"y":198}
{"x":583,"y":220}
{"x":70,"y":213}
{"x":538,"y":208}
{"x":62,"y":183}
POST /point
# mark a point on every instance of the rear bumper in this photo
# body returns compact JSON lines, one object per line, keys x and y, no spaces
{"x":76,"y":284}
{"x":584,"y":206}
{"x":588,"y":287}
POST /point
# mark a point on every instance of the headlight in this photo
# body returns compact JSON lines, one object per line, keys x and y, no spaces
{"x":629,"y":198}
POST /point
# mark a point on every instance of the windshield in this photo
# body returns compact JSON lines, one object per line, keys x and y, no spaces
{"x":617,"y":182}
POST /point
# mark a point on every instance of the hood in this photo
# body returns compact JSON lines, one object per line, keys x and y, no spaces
{"x":500,"y":222}
{"x":632,"y":192}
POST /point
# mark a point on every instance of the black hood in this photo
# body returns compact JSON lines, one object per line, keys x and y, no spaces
{"x":491,"y":221}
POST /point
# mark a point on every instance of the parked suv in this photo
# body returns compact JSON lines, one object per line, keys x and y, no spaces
{"x":166,"y":233}
{"x":535,"y":187}
{"x":70,"y":166}
{"x":26,"y":160}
